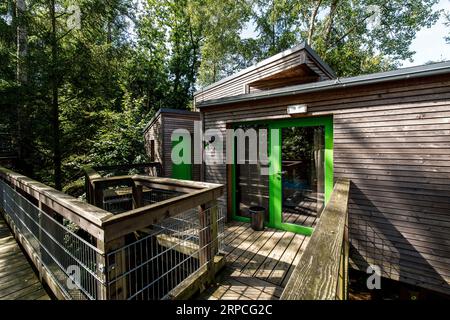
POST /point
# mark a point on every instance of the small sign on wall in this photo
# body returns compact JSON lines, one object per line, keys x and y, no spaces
{"x":297,"y":108}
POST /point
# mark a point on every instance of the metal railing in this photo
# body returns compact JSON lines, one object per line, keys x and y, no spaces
{"x":73,"y":262}
{"x":166,"y":254}
{"x":173,"y":230}
{"x":118,"y":200}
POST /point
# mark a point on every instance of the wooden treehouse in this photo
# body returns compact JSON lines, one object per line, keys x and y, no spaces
{"x":161,"y":238}
{"x":359,"y":177}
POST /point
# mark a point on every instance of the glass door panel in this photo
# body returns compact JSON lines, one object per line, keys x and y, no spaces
{"x":302,"y":174}
{"x":252,"y":187}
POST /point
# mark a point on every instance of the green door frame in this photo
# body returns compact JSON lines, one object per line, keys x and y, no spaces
{"x":275,"y":184}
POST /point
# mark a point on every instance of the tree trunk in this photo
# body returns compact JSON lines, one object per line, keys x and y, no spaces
{"x":330,"y":21}
{"x":55,"y":102}
{"x":22,"y":79}
{"x":312,"y":21}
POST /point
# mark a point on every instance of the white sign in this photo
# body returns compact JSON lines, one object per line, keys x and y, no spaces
{"x":297,"y":108}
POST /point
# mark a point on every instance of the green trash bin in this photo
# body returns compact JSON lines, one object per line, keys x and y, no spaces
{"x":257,"y":215}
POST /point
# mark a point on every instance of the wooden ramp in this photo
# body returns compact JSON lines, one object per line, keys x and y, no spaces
{"x":18,"y":281}
{"x":259,"y":263}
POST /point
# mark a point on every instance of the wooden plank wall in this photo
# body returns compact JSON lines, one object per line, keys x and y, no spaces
{"x":172,"y":122}
{"x":393,"y":141}
{"x":154,"y":132}
{"x":161,"y":130}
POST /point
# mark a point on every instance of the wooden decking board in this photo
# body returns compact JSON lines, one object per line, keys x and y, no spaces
{"x":268,"y":256}
{"x":238,"y":231}
{"x":258,"y":263}
{"x":17,"y":278}
{"x":241,"y":254}
{"x":13,"y":275}
{"x":17,"y":284}
{"x":294,"y":263}
{"x":242,"y":279}
{"x":264,"y":251}
{"x":284,"y":262}
{"x":283,"y":276}
{"x":251,"y":249}
{"x":237,"y":242}
{"x":22,"y":293}
{"x":239,"y":235}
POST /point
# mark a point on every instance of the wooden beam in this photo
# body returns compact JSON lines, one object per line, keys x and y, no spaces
{"x":185,"y":247}
{"x":316,"y":277}
{"x":86,"y":216}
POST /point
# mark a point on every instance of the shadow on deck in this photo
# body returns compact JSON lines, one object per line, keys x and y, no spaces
{"x":259,"y":263}
{"x":18,"y":280}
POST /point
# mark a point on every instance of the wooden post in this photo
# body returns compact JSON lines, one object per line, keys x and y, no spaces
{"x":115,"y":267}
{"x":98,"y":194}
{"x":102,"y":289}
{"x":214,"y":248}
{"x":203,"y":235}
{"x":138,"y":199}
{"x":208,"y":236}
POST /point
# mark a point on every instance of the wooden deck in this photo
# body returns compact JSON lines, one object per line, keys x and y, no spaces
{"x":18,"y":281}
{"x":259,"y":263}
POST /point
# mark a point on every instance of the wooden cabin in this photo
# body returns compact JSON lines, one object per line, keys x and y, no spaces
{"x":388,"y":132}
{"x":158,"y":143}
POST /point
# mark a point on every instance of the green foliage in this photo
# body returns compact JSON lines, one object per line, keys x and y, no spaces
{"x":128,"y":60}
{"x":368,"y":35}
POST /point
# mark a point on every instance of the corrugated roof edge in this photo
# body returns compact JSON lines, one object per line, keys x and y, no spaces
{"x":399,"y":74}
{"x":325,"y":67}
{"x":167,"y":110}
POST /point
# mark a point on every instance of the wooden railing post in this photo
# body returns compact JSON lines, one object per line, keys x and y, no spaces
{"x":138,"y":198}
{"x":208,"y":243}
{"x":102,"y":289}
{"x":98,"y":193}
{"x":115,"y":267}
{"x":203,"y":235}
{"x":322,"y":272}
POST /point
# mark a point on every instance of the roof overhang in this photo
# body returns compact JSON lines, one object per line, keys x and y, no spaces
{"x":303,"y":46}
{"x":374,"y":78}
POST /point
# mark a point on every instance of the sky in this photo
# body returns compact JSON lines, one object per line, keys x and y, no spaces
{"x":429,"y":43}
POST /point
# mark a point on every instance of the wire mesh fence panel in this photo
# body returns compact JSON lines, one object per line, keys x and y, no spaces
{"x":73,"y":263}
{"x":165,"y":255}
{"x":151,"y":196}
{"x":118,"y":202}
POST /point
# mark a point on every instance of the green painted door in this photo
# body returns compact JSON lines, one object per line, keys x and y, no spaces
{"x":301,"y":176}
{"x":302,"y":179}
{"x":183,"y":170}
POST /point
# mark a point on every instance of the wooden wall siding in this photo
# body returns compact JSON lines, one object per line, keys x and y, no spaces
{"x":154,"y":132}
{"x":237,"y":85}
{"x":172,"y":122}
{"x":161,"y":131}
{"x":393,"y":141}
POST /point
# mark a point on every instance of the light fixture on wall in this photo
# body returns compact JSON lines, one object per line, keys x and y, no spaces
{"x":297,"y":108}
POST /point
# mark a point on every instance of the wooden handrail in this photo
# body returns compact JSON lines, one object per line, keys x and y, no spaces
{"x":86,"y":216}
{"x":321,"y":273}
{"x":196,"y":194}
{"x":110,"y":231}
